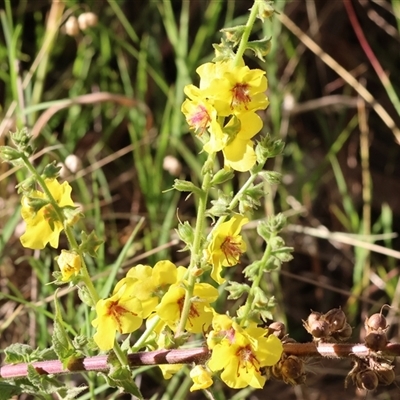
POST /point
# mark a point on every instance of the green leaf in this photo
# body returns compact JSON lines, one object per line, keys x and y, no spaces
{"x":90,"y":243}
{"x":260,"y":47}
{"x":45,"y":384}
{"x":7,"y":391}
{"x":17,"y":353}
{"x":121,"y":377}
{"x":51,"y":171}
{"x":62,"y":344}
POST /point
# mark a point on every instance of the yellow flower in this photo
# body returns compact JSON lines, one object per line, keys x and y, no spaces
{"x":237,"y":146}
{"x":233,"y":89}
{"x":168,"y":370}
{"x":200,"y":314}
{"x":70,"y":264}
{"x":149,"y":284}
{"x":201,"y":378}
{"x":226,"y":246}
{"x":241,"y":353}
{"x":119,"y":313}
{"x":44,"y":226}
{"x":198,"y":111}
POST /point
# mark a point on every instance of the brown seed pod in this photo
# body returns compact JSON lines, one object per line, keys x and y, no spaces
{"x":376,"y":322}
{"x":344,"y":334}
{"x":292,"y":370}
{"x":314,"y":316}
{"x":386,"y":377}
{"x":376,"y":341}
{"x":336,"y":319}
{"x":367,"y":380}
{"x":319,"y":329}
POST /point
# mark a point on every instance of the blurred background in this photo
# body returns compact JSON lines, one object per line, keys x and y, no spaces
{"x":100,"y":84}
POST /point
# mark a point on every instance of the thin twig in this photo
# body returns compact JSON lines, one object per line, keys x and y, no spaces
{"x":192,"y":356}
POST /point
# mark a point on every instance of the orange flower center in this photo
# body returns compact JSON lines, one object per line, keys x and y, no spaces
{"x":116,"y":311}
{"x":246,"y":357}
{"x":231,"y":249}
{"x":240,"y":95}
{"x":193,"y":312}
{"x":200,"y":119}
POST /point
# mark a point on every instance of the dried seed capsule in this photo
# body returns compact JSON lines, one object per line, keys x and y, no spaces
{"x":376,"y":341}
{"x":314,"y":316}
{"x":367,"y":380}
{"x":336,"y":318}
{"x":375,"y":322}
{"x":278,"y":329}
{"x":344,"y":334}
{"x":319,"y":329}
{"x":386,"y":377}
{"x":292,"y":370}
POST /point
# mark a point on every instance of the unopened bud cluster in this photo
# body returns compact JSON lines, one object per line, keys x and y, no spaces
{"x":331,"y":327}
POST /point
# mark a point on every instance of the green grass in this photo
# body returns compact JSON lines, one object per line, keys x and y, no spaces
{"x":147,"y":53}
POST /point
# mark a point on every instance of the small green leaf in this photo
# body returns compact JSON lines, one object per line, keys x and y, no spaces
{"x":121,"y":377}
{"x":62,"y":344}
{"x":51,"y":171}
{"x":90,"y":243}
{"x":17,"y":353}
{"x":7,"y":391}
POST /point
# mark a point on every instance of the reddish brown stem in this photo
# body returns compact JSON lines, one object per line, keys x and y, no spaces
{"x":188,"y":356}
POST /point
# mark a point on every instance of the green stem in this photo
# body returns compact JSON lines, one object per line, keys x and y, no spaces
{"x":246,"y":34}
{"x":149,"y":330}
{"x":85,"y":276}
{"x":235,"y":201}
{"x":257,"y":280}
{"x":196,"y":248}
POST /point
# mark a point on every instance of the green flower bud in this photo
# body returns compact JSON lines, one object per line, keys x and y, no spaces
{"x":236,"y":290}
{"x":275,"y":223}
{"x":223,"y":175}
{"x":186,"y":186}
{"x":265,"y":10}
{"x":268,"y":148}
{"x":272,"y":177}
{"x":85,"y":296}
{"x":234,"y":34}
{"x":51,"y":171}
{"x":260,"y":48}
{"x":90,"y":243}
{"x":283,"y":254}
{"x":8,"y":153}
{"x":186,"y":233}
{"x":221,"y":206}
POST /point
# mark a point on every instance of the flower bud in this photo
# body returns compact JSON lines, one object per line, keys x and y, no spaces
{"x":8,"y":153}
{"x":186,"y":233}
{"x":69,"y":263}
{"x":223,"y":175}
{"x":186,"y":186}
